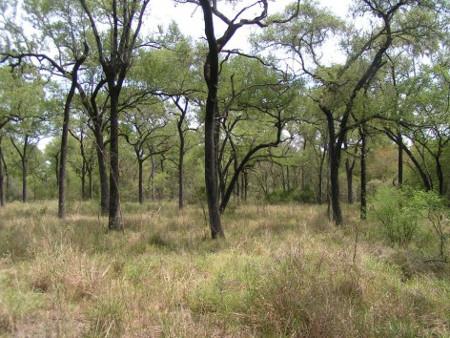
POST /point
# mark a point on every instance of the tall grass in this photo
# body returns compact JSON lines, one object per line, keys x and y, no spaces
{"x":283,"y":271}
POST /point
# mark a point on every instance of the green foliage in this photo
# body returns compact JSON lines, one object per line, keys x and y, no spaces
{"x":437,"y":213}
{"x":397,"y":211}
{"x":285,"y":196}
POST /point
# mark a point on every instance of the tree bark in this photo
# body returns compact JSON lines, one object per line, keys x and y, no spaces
{"x":65,"y":135}
{"x":114,"y":222}
{"x":102,"y":168}
{"x":140,"y":181}
{"x":63,"y":151}
{"x":180,"y":171}
{"x":400,"y":162}
{"x":2,"y":178}
{"x":363,"y":206}
{"x":24,"y":179}
{"x":211,"y":74}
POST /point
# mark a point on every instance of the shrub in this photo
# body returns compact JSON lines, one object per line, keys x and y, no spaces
{"x":435,"y":210}
{"x":397,"y":211}
{"x":285,"y":196}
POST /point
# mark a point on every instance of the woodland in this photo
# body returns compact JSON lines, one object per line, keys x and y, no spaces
{"x":157,"y":184}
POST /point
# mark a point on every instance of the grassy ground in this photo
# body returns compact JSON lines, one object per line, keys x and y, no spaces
{"x":283,"y":271}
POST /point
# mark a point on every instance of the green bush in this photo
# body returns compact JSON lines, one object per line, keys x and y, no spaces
{"x":397,"y":211}
{"x":284,"y":196}
{"x":434,"y":209}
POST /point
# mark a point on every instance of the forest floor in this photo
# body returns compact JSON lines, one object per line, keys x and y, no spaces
{"x":282,"y":271}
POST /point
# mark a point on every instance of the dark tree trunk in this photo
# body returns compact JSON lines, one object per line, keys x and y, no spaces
{"x":5,"y":173}
{"x":102,"y":168}
{"x":114,"y":222}
{"x":2,"y":178}
{"x":334,"y":149}
{"x":24,"y":179}
{"x":65,"y":136}
{"x":180,"y":172}
{"x":211,"y":74}
{"x":90,"y":182}
{"x":440,"y":176}
{"x":152,"y":175}
{"x":363,"y":206}
{"x":334,"y":184}
{"x":84,"y":170}
{"x":427,"y":184}
{"x":140,"y":181}
{"x":349,"y":174}
{"x":400,"y":162}
{"x":320,"y":174}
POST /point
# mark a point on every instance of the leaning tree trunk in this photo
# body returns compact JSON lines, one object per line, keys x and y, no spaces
{"x":65,"y":135}
{"x":63,"y":158}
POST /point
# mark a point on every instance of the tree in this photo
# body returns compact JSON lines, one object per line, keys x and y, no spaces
{"x":68,"y":51}
{"x":140,"y":129}
{"x":211,"y":76}
{"x":115,"y":51}
{"x":339,"y":86}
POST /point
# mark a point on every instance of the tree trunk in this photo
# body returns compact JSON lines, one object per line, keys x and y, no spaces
{"x":83,"y":180}
{"x":334,"y":184}
{"x":349,"y":174}
{"x":90,"y":181}
{"x":140,"y":181}
{"x":211,"y":74}
{"x":180,"y":172}
{"x":114,"y":222}
{"x":320,"y":174}
{"x":5,"y":173}
{"x":400,"y":162}
{"x":65,"y":135}
{"x":102,"y":169}
{"x":63,"y":151}
{"x":152,"y":175}
{"x":2,"y":178}
{"x":24,"y":179}
{"x":363,"y":206}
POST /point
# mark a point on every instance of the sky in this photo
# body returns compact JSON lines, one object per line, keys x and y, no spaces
{"x":189,"y":19}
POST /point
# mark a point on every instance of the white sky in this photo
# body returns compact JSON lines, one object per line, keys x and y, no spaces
{"x":190,"y":20}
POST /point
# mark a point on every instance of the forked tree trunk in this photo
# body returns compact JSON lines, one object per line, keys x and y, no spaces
{"x":211,"y":74}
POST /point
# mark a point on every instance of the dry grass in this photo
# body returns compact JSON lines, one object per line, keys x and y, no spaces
{"x":283,"y":271}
